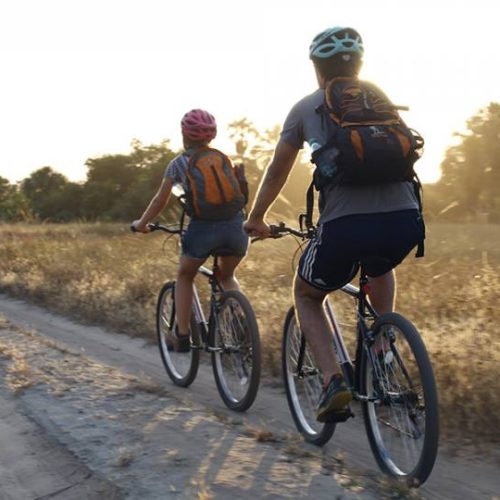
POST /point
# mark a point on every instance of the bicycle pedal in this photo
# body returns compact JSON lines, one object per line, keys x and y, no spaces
{"x":339,"y":416}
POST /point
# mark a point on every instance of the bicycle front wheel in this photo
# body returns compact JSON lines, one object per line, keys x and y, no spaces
{"x":236,"y":355}
{"x":303,"y":384}
{"x":402,"y":420}
{"x":181,"y":367}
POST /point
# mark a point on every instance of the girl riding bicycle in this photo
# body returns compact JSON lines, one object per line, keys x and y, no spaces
{"x":207,"y":232}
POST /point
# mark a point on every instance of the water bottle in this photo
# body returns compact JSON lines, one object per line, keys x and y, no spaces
{"x":324,"y":158}
{"x":178,"y":190}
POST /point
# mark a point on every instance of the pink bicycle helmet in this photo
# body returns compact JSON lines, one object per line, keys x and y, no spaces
{"x":198,"y":125}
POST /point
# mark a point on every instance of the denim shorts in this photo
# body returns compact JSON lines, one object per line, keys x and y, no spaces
{"x":204,"y":238}
{"x":379,"y":242}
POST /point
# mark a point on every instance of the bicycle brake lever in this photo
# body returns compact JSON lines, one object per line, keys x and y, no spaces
{"x":275,"y":230}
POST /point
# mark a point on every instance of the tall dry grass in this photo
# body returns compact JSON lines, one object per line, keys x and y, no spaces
{"x":103,"y":274}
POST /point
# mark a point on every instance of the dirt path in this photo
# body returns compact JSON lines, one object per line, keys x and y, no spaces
{"x":101,"y":402}
{"x":34,"y":465}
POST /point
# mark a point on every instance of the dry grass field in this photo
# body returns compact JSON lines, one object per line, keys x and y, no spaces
{"x":103,"y":274}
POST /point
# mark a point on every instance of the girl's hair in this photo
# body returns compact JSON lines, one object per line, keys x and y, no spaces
{"x":191,"y":143}
{"x":338,"y":65}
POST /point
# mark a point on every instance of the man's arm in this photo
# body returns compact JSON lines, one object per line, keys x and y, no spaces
{"x":273,"y":181}
{"x":156,"y":205}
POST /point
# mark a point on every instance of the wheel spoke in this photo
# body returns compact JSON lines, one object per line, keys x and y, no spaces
{"x":303,"y":385}
{"x":397,"y":420}
{"x":237,"y":362}
{"x":181,"y":367}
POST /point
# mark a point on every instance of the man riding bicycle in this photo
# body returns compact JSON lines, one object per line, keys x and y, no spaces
{"x":376,"y":224}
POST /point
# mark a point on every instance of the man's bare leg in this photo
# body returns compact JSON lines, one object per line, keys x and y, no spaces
{"x":314,"y":324}
{"x":383,"y":292}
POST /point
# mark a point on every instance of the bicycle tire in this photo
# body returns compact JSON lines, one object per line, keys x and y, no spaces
{"x":237,"y":365}
{"x":182,"y":368}
{"x":407,"y":414}
{"x":302,"y":390}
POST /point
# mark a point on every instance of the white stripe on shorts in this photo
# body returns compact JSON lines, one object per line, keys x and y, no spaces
{"x":312,"y":250}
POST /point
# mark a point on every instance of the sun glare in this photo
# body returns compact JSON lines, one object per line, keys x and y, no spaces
{"x":103,"y":74}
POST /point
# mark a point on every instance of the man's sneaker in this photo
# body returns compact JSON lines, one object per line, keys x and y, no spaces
{"x":334,"y":398}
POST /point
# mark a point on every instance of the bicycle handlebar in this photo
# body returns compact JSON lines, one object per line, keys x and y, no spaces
{"x":277,"y":231}
{"x":156,"y":226}
{"x":280,"y":230}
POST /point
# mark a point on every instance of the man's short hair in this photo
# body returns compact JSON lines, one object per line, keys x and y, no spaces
{"x":339,"y":65}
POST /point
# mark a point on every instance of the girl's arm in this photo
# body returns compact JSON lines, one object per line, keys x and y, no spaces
{"x":156,"y":205}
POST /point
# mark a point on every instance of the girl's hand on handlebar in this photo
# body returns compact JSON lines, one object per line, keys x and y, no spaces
{"x":137,"y":227}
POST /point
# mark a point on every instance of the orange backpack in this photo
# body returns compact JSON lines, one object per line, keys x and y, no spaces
{"x":216,"y":190}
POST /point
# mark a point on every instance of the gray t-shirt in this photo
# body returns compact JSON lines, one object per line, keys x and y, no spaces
{"x":303,"y":124}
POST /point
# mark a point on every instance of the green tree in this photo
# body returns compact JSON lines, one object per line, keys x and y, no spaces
{"x":13,"y":204}
{"x":48,"y":194}
{"x":108,"y":179}
{"x":471,"y":169}
{"x":151,"y":162}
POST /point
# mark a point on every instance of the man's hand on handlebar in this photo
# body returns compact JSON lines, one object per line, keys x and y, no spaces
{"x":137,"y":227}
{"x":257,"y":228}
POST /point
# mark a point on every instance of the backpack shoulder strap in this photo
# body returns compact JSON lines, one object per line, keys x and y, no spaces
{"x":417,"y":189}
{"x":309,"y":206}
{"x":204,"y":150}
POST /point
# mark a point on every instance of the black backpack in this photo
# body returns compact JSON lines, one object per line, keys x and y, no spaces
{"x":370,"y":143}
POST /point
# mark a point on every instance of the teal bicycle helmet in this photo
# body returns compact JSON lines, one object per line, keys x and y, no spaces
{"x":336,"y":40}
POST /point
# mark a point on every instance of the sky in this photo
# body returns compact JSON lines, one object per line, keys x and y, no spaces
{"x":82,"y":78}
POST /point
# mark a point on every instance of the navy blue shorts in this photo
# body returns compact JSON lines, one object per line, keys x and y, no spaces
{"x":378,"y":241}
{"x":202,"y":238}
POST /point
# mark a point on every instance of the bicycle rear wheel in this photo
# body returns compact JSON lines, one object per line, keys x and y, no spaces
{"x":303,"y":384}
{"x":181,"y":367}
{"x":403,"y":423}
{"x":236,"y":360}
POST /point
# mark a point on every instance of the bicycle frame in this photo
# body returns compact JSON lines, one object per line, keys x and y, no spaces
{"x":397,"y":412}
{"x":216,"y":289}
{"x":363,"y":334}
{"x":364,"y":337}
{"x":206,"y":327}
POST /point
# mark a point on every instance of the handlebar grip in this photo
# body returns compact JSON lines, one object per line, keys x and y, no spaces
{"x":152,"y":227}
{"x":277,"y":231}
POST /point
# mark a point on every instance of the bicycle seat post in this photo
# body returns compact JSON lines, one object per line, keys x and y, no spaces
{"x":215,"y":265}
{"x":364,"y":283}
{"x":364,"y":307}
{"x":214,"y":279}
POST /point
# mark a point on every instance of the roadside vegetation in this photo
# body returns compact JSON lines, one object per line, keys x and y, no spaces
{"x":102,"y":274}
